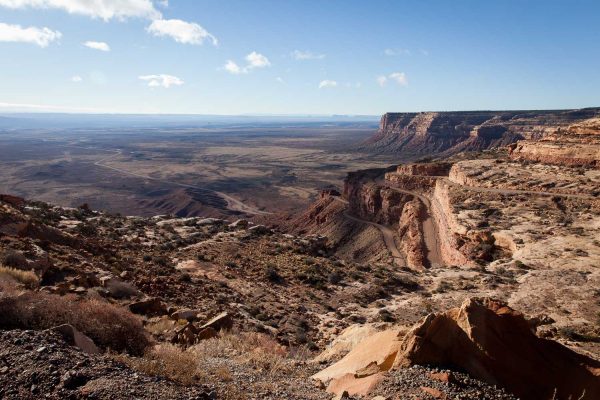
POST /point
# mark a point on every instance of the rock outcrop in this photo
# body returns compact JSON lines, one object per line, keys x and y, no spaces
{"x":578,"y":146}
{"x":426,"y":133}
{"x":483,"y":337}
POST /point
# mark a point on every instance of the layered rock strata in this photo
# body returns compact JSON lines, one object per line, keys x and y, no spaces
{"x":426,"y":133}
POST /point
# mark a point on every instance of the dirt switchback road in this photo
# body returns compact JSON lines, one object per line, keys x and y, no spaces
{"x":429,"y":228}
{"x":386,"y":232}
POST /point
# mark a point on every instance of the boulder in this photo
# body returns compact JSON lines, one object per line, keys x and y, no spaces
{"x":190,"y":334}
{"x":209,"y":221}
{"x":435,"y":393}
{"x":150,"y":307}
{"x":15,"y":201}
{"x":239,"y":224}
{"x":77,"y":339}
{"x":185,"y":313}
{"x":186,"y":335}
{"x":259,"y":230}
{"x":346,"y":341}
{"x":361,"y":369}
{"x":496,"y":344}
{"x":222,"y":321}
{"x":206,"y":333}
{"x":483,"y":337}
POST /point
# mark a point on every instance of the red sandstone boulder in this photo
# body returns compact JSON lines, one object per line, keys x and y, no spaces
{"x":222,"y":321}
{"x":495,"y":343}
{"x":485,"y":338}
{"x":77,"y":339}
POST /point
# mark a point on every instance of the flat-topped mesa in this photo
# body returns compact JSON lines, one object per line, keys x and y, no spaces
{"x":577,"y":145}
{"x":446,"y":133}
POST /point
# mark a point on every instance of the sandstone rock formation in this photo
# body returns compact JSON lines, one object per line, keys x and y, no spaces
{"x":426,"y":133}
{"x":578,"y":145}
{"x":483,"y":337}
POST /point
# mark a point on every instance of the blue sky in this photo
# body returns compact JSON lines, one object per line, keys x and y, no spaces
{"x":297,"y":56}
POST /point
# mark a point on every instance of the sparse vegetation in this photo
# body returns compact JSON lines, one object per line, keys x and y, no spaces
{"x":165,"y":360}
{"x":14,"y":259}
{"x":108,"y":325}
{"x":27,"y":278}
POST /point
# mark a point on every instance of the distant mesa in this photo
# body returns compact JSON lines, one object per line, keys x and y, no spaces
{"x":447,"y":133}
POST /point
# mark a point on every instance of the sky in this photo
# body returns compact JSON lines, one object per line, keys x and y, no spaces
{"x":297,"y":56}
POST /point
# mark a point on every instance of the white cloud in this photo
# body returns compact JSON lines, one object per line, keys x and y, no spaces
{"x":398,"y":77}
{"x":424,"y":52}
{"x":306,"y":55}
{"x":280,"y":80}
{"x":254,"y":60}
{"x":161,"y":80}
{"x":327,"y":84}
{"x":97,"y":45}
{"x":103,"y":9}
{"x":39,"y":36}
{"x":257,"y":60}
{"x":233,"y":68}
{"x":76,"y":79}
{"x":396,"y":52}
{"x":181,"y":31}
{"x":163,"y":3}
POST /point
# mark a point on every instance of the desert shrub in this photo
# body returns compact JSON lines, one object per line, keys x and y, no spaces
{"x":163,"y":261}
{"x":334,"y":278}
{"x":309,"y":261}
{"x":120,"y":289}
{"x":386,"y":316}
{"x":443,"y":286}
{"x":14,"y":259}
{"x":272,"y":274}
{"x":87,"y":229}
{"x":521,"y":264}
{"x":108,"y":325}
{"x":255,"y":349}
{"x":27,"y":278}
{"x":165,"y":360}
{"x":185,"y":277}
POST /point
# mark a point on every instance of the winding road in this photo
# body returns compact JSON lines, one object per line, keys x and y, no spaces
{"x":429,"y":228}
{"x":386,"y":232}
{"x":232,"y":203}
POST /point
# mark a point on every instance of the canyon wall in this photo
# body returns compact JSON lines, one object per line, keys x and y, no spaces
{"x":413,"y":135}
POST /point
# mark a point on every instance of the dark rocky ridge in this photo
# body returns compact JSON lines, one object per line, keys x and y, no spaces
{"x":446,"y":133}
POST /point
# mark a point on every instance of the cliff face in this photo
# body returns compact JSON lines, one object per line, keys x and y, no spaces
{"x":446,"y":133}
{"x":578,"y":145}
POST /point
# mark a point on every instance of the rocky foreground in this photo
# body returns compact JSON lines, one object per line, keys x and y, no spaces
{"x":101,"y":306}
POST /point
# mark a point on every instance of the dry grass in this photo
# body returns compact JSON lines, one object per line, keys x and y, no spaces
{"x":214,"y":359}
{"x":27,"y":278}
{"x":165,"y":360}
{"x":160,"y":326}
{"x":108,"y":325}
{"x":256,"y":350}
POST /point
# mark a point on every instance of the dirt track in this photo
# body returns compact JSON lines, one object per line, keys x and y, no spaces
{"x":429,"y":229}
